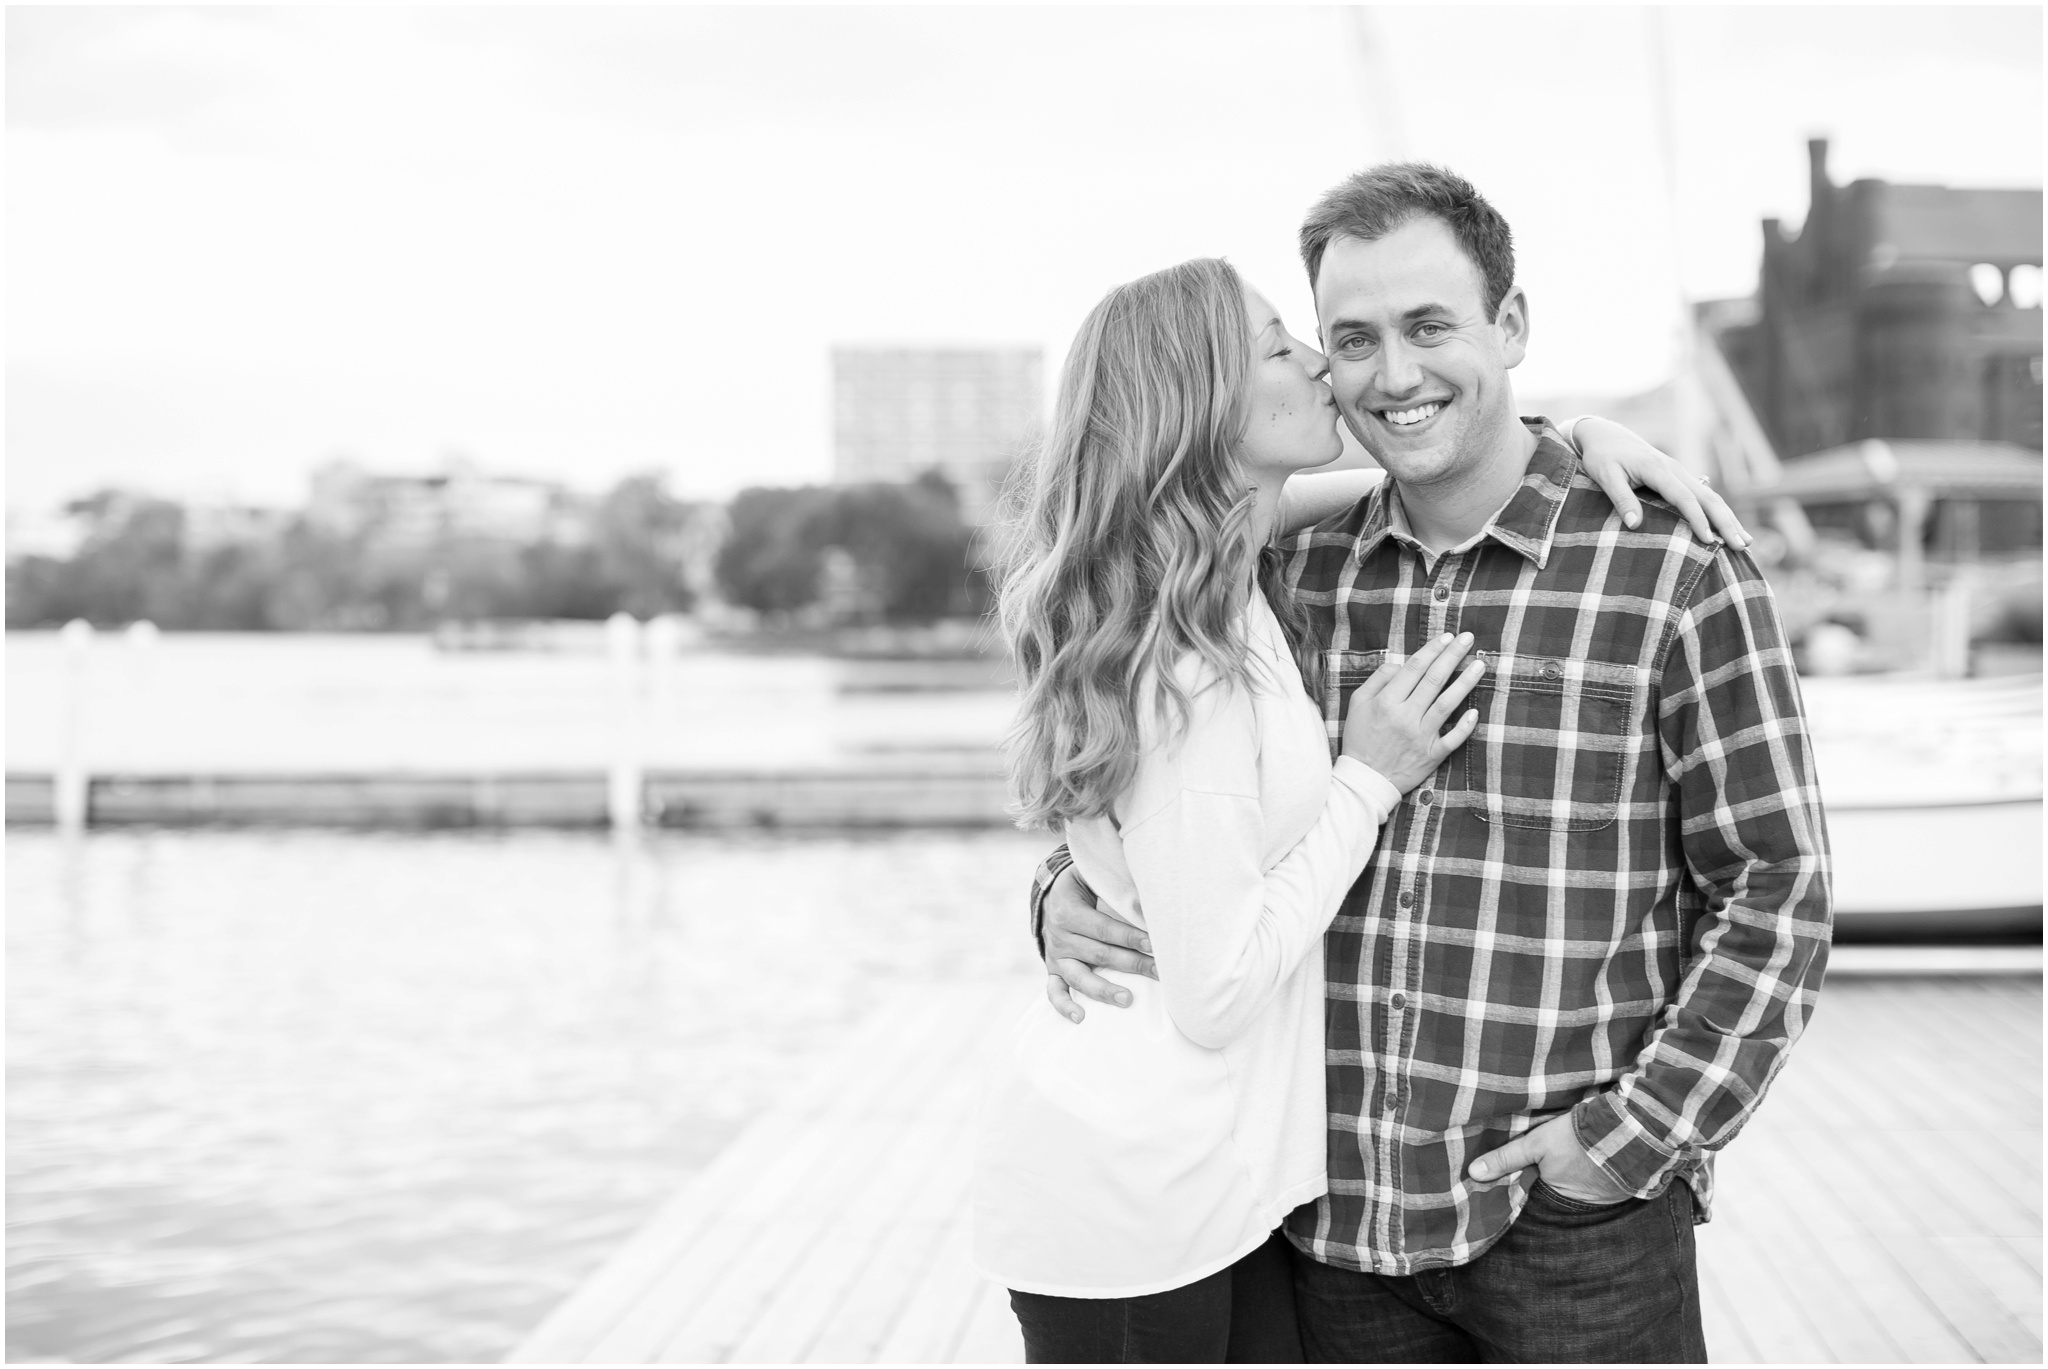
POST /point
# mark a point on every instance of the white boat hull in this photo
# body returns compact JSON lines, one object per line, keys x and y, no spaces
{"x":1933,"y":796}
{"x":1964,"y":866}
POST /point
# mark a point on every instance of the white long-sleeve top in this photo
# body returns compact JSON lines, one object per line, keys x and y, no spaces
{"x":1150,"y":1146}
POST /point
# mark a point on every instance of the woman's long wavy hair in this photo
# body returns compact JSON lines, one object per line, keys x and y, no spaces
{"x":1135,"y":546}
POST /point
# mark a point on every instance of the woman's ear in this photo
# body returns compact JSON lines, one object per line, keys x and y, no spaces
{"x":1513,"y":321}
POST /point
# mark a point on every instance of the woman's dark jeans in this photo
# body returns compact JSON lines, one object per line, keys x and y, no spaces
{"x":1569,"y":1282}
{"x":1240,"y":1315}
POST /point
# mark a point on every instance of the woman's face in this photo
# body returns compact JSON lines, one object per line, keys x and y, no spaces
{"x":1292,"y":416}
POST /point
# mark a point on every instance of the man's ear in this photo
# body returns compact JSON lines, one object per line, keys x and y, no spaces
{"x":1513,"y":322}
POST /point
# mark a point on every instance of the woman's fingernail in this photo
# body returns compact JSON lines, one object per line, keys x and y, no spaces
{"x":1123,"y":1000}
{"x":1145,"y":944}
{"x":1633,"y":519}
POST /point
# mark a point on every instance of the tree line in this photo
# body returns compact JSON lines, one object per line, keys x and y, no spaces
{"x":875,"y":553}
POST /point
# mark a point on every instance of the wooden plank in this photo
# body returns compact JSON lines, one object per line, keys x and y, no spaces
{"x":1824,"y":1101}
{"x":2001,"y":1270}
{"x":2019,"y":1180}
{"x":1847,"y":1208}
{"x":1830,"y":1301}
{"x":1993,"y":1334}
{"x":888,"y":1284}
{"x":1821,"y":1209}
{"x":1877,"y":1204}
{"x":992,"y":1335}
{"x":2023,"y":1144}
{"x":1916,"y":1194}
{"x":1771,"y":1318}
{"x":822,"y":1275}
{"x":1957,"y":1183}
{"x":1833,"y":1195}
{"x":1727,"y":1342}
{"x":924,"y":793}
{"x":1918,"y":1078}
{"x":752,"y":1247}
{"x":938,"y":1311}
{"x":1908,"y":1318}
{"x":748,"y":1284}
{"x":747,"y":1175}
{"x":2000,"y":1023}
{"x":31,"y":800}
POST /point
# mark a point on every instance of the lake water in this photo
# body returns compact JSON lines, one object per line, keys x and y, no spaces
{"x":308,"y":1097}
{"x":242,"y":703}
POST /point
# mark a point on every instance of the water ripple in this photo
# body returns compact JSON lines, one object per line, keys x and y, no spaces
{"x":310,"y":1097}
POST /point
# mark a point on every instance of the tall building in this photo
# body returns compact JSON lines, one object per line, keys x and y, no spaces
{"x":1897,"y":311}
{"x":967,"y":412}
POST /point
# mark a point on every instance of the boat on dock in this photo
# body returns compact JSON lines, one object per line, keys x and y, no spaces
{"x":1933,"y":795}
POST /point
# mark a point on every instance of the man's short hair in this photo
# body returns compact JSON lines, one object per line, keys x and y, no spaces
{"x":1380,"y":199}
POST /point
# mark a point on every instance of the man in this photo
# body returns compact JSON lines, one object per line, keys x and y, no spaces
{"x":1583,"y":949}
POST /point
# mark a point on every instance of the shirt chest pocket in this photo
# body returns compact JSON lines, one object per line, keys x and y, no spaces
{"x":1554,"y":742}
{"x":1343,"y":673}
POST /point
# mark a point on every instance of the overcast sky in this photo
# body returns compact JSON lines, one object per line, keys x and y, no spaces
{"x":579,"y":242}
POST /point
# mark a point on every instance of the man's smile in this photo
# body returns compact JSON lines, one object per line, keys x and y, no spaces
{"x":1414,"y":416}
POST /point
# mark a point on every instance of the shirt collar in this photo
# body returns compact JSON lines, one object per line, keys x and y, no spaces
{"x":1525,"y":524}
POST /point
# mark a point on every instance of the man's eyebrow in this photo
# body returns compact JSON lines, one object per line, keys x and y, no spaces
{"x":1424,"y":311}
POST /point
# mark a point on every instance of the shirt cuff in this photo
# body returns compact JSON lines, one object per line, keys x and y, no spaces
{"x":1615,"y":1141}
{"x":1369,"y":784}
{"x":1050,"y":869}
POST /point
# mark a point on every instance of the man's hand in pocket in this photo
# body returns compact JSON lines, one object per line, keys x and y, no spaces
{"x":1560,"y":1161}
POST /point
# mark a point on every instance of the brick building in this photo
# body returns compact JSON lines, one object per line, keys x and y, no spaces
{"x":1897,"y":311}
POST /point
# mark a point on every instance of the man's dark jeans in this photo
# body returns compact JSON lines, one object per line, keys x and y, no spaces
{"x":1568,"y":1282}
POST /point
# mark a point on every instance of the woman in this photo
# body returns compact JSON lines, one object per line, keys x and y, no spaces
{"x":1132,"y":1173}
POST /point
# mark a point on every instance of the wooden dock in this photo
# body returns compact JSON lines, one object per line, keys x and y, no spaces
{"x":922,"y":792}
{"x":1885,"y":1206}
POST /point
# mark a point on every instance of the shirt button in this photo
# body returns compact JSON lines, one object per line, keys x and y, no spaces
{"x":1407,"y":899}
{"x":1428,"y":796}
{"x":1552,"y":671}
{"x":1443,"y":592}
{"x":1399,"y":1000}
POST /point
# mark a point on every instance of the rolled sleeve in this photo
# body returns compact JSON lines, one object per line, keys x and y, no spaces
{"x":1049,"y":869}
{"x":1735,"y":746}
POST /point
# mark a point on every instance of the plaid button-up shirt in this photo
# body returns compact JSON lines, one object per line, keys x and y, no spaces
{"x":1612,"y":902}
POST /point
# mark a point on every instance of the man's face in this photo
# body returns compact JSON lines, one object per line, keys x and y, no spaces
{"x":1420,"y":375}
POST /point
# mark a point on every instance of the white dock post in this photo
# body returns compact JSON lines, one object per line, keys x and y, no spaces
{"x":73,"y":783}
{"x":1952,"y":627}
{"x":622,"y":635}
